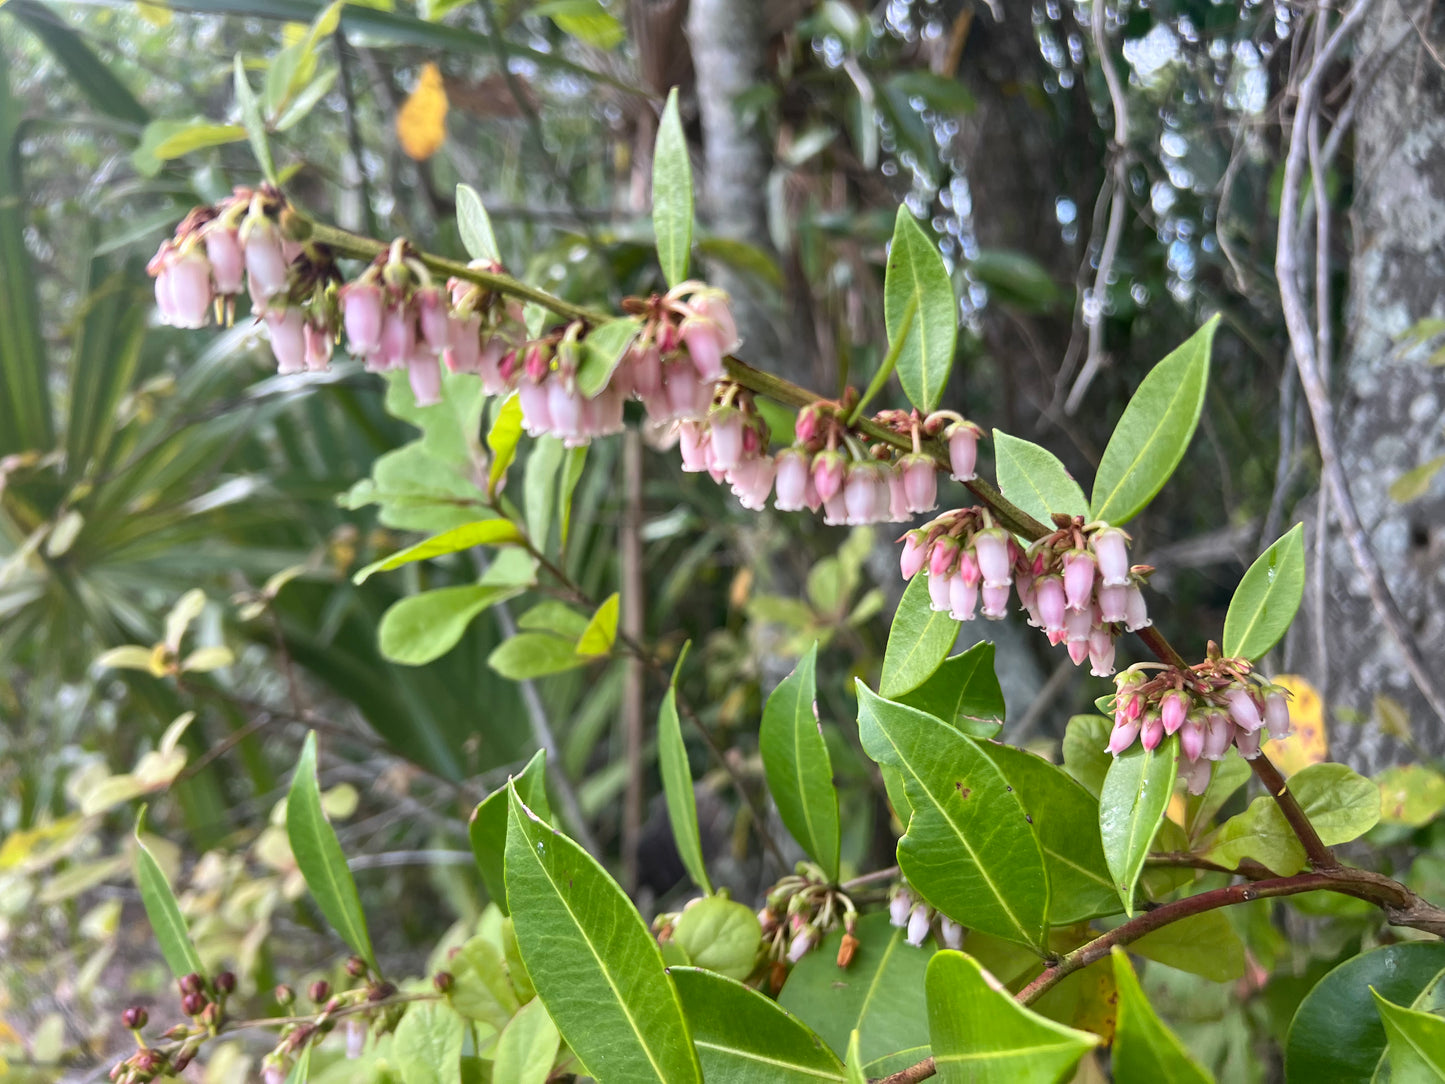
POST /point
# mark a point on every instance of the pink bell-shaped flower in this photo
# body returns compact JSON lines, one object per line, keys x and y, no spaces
{"x":1078,"y":580}
{"x":318,"y":348}
{"x":1112,"y":552}
{"x":287,"y":328}
{"x":963,"y":450}
{"x":228,"y":260}
{"x":425,"y":375}
{"x":361,"y":316}
{"x":793,"y":476}
{"x":920,"y":483}
{"x":914,"y":555}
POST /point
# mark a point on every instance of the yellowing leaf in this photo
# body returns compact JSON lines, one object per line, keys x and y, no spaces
{"x":129,"y":657}
{"x":1309,"y":743}
{"x":208,"y":658}
{"x":154,"y":13}
{"x":1392,"y":717}
{"x":1415,"y":483}
{"x":421,"y":125}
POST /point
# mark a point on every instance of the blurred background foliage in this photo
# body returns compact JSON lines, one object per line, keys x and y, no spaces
{"x":138,"y":463}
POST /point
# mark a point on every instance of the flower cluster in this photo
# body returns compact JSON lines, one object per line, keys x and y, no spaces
{"x":201,"y":1000}
{"x":1075,"y":583}
{"x":1214,"y":704}
{"x":917,"y":918}
{"x":800,"y":911}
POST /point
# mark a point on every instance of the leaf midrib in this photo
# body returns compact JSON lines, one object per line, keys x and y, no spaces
{"x":763,"y":1059}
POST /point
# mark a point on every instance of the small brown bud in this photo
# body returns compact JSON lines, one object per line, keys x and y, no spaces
{"x":182,"y":1060}
{"x":380,"y":991}
{"x":285,"y":995}
{"x":193,"y":1004}
{"x":177,"y":1032}
{"x":134,"y":1018}
{"x":356,"y":967}
{"x":320,"y":990}
{"x":846,"y":949}
{"x":442,"y":980}
{"x":192,"y":983}
{"x":226,"y":982}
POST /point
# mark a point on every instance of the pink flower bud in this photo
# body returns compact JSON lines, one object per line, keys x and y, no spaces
{"x":432,"y":318}
{"x":951,"y":932}
{"x":267,"y":269}
{"x":1218,"y":732}
{"x":835,"y":510}
{"x":686,"y":397}
{"x":962,"y":598}
{"x":692,"y":444}
{"x":899,"y":908}
{"x":898,"y":511}
{"x":1173,"y":708}
{"x":968,"y":567}
{"x":1078,"y":579}
{"x":918,"y":922}
{"x":1077,"y":628}
{"x":858,"y":494}
{"x":489,"y":366}
{"x":940,"y":592}
{"x":1122,"y":736}
{"x":1191,"y":737}
{"x":920,"y":483}
{"x":1136,"y":613}
{"x":646,"y":372}
{"x":273,"y":1074}
{"x":1113,"y":603}
{"x":464,"y":344}
{"x":564,"y":407}
{"x":1101,"y":653}
{"x":536,"y":417}
{"x":714,"y":307}
{"x":228,"y":261}
{"x":425,"y":375}
{"x":398,"y":339}
{"x":726,"y":425}
{"x":1247,"y":743}
{"x":801,"y":943}
{"x":287,"y":328}
{"x":704,"y":347}
{"x":963,"y":450}
{"x":805,"y":428}
{"x":1152,"y":732}
{"x":752,"y":482}
{"x":995,"y":601}
{"x":828,"y":474}
{"x":609,"y":410}
{"x":1049,"y":594}
{"x":361,"y":315}
{"x":318,"y":348}
{"x":1276,"y":716}
{"x":187,"y":279}
{"x":1196,"y":776}
{"x":1243,"y":711}
{"x":914,"y":556}
{"x":792,"y":480}
{"x":991,"y":549}
{"x":1112,"y":552}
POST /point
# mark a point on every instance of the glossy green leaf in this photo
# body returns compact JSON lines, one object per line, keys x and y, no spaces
{"x":880,"y":994}
{"x":720,"y":935}
{"x":919,"y":307}
{"x":601,"y":632}
{"x":527,"y":1046}
{"x":1066,"y":820}
{"x":427,"y":1045}
{"x":1145,"y":1051}
{"x":1086,"y":755}
{"x":1154,"y":431}
{"x":980,"y":1035}
{"x":592,"y":960}
{"x":795,"y":759}
{"x":672,"y":194}
{"x":195,"y":137}
{"x":743,"y":1037}
{"x":320,"y":858}
{"x":964,"y":692}
{"x":484,"y":532}
{"x":1340,"y":803}
{"x":571,"y":473}
{"x":502,"y":439}
{"x":251,"y":118}
{"x":1415,"y":1043}
{"x":475,"y":225}
{"x":854,"y":1063}
{"x":421,"y":628}
{"x":1035,"y":480}
{"x":1203,"y":944}
{"x":556,"y":617}
{"x":1227,"y":776}
{"x":162,"y":910}
{"x":918,"y":641}
{"x":602,"y":351}
{"x":1336,"y":1034}
{"x":1132,"y":802}
{"x":534,"y":654}
{"x":969,"y":850}
{"x":677,"y":788}
{"x":487,"y":828}
{"x":1267,"y":598}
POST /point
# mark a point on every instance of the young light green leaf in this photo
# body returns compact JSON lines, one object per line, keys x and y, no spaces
{"x":592,"y":960}
{"x":1144,"y":1049}
{"x":555,"y":617}
{"x":879,"y":995}
{"x":918,"y":641}
{"x":254,"y":123}
{"x":427,"y":1045}
{"x":1066,"y":820}
{"x":720,"y":935}
{"x":672,"y":194}
{"x":969,"y":849}
{"x":421,"y":628}
{"x":539,"y":490}
{"x":502,"y":439}
{"x":161,"y":908}
{"x":795,"y":759}
{"x":571,"y":473}
{"x":534,"y":654}
{"x":916,"y":282}
{"x":475,"y":225}
{"x":601,"y":632}
{"x":487,"y":828}
{"x":484,"y":532}
{"x":1415,"y":482}
{"x":527,"y":1046}
{"x":196,"y":137}
{"x":980,"y":1035}
{"x":1416,"y":1043}
{"x":1154,"y":431}
{"x":854,"y":1063}
{"x":964,"y":692}
{"x":1266,"y":599}
{"x":320,"y":858}
{"x":1035,"y":480}
{"x":1203,"y":944}
{"x":602,"y":351}
{"x":677,"y":787}
{"x":743,"y":1037}
{"x":587,"y":21}
{"x":1131,"y":804}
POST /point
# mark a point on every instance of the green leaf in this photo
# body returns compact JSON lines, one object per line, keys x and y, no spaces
{"x":677,"y":787}
{"x":1411,"y":794}
{"x":484,"y":532}
{"x":672,"y":194}
{"x":1341,"y":804}
{"x":527,"y":1046}
{"x":743,"y":1037}
{"x":87,"y":73}
{"x":795,"y":759}
{"x":918,"y":641}
{"x":602,"y":351}
{"x":301,"y":1071}
{"x":1336,"y":1035}
{"x":1227,"y":776}
{"x":1415,"y":482}
{"x":1153,"y":433}
{"x":964,"y":692}
{"x":980,"y":1035}
{"x":880,"y":994}
{"x":502,"y":439}
{"x":969,"y":849}
{"x":487,"y":828}
{"x":251,"y":118}
{"x":534,"y":654}
{"x":482,"y":987}
{"x":1086,"y":754}
{"x":427,"y":1045}
{"x":1132,"y":802}
{"x":587,"y":21}
{"x":475,"y":226}
{"x":1066,"y":820}
{"x":1266,"y":599}
{"x":571,"y":472}
{"x":721,"y":935}
{"x":917,"y":279}
{"x":421,"y":628}
{"x":854,"y":1066}
{"x":1416,"y":1042}
{"x":1144,"y":1049}
{"x":539,"y":493}
{"x":555,"y":617}
{"x":1203,"y":944}
{"x":1035,"y":480}
{"x":161,"y":908}
{"x":601,"y":632}
{"x":320,"y":859}
{"x":1015,"y":279}
{"x":592,"y":960}
{"x":196,"y":136}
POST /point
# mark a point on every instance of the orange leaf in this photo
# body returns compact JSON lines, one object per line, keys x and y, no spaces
{"x":421,"y":125}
